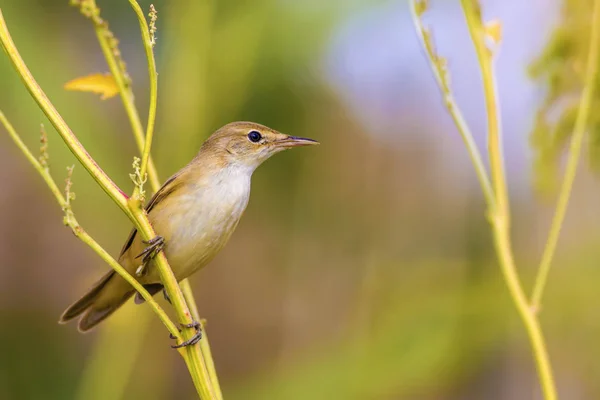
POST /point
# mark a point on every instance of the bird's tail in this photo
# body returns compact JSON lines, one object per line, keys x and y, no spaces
{"x":104,"y":298}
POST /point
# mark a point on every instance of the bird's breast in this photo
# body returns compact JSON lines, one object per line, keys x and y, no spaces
{"x":200,"y":220}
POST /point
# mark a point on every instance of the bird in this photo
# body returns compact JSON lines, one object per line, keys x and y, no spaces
{"x":194,"y":214}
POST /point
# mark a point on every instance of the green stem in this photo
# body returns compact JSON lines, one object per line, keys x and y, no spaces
{"x":437,"y":65}
{"x":532,"y":325}
{"x":204,"y":344}
{"x":206,"y":366}
{"x":78,"y":230}
{"x":131,"y":207}
{"x":495,"y":151}
{"x":147,"y":40}
{"x":125,"y":91}
{"x":500,"y":214}
{"x":574,"y":151}
{"x":58,"y":122}
{"x":194,"y":359}
{"x":203,"y":362}
{"x":87,"y":239}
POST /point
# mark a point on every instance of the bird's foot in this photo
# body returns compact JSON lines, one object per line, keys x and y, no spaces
{"x":155,"y":245}
{"x":194,"y":339}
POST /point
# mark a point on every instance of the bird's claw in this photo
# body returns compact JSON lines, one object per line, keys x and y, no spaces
{"x":155,"y":245}
{"x":191,"y":341}
{"x":195,"y":324}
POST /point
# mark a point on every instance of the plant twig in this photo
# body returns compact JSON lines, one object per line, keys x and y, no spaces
{"x":131,"y":208}
{"x":500,"y":214}
{"x":472,"y":12}
{"x":204,"y":345}
{"x":574,"y":151}
{"x":203,"y":364}
{"x":109,"y":45}
{"x":58,"y":122}
{"x":440,"y":72}
{"x":148,"y":40}
{"x":71,"y":222}
{"x":497,"y":193}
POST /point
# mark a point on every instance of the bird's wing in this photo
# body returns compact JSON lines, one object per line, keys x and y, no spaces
{"x":167,"y":188}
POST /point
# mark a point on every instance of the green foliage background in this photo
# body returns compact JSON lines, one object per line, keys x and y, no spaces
{"x":561,"y":68}
{"x":361,"y":270}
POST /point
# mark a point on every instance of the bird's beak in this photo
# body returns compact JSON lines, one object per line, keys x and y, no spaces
{"x":294,"y":141}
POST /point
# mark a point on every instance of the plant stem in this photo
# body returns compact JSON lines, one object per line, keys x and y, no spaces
{"x":144,"y":143}
{"x":574,"y":151}
{"x":194,"y":359}
{"x":87,"y":239}
{"x":129,"y":206}
{"x":55,"y":118}
{"x":472,"y":13}
{"x":78,"y":230}
{"x":147,"y":40}
{"x":108,"y":46}
{"x":205,"y":362}
{"x":532,"y":325}
{"x":204,"y":345}
{"x":438,"y":67}
{"x":500,"y":214}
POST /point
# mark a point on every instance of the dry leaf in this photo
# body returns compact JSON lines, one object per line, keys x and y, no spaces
{"x":103,"y":84}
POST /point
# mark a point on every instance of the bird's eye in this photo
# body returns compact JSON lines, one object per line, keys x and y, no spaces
{"x":254,"y":136}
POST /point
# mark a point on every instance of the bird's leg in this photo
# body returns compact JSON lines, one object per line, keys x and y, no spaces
{"x":155,"y":245}
{"x":194,"y":339}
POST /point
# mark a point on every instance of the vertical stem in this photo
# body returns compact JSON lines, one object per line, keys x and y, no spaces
{"x":574,"y":151}
{"x":126,"y":93}
{"x":204,"y":345}
{"x":191,"y":354}
{"x":58,"y":122}
{"x":147,"y":40}
{"x":438,"y":67}
{"x":129,"y":206}
{"x":532,"y":325}
{"x":78,"y":231}
{"x":144,"y":145}
{"x":203,"y":360}
{"x":500,"y":214}
{"x":472,"y":13}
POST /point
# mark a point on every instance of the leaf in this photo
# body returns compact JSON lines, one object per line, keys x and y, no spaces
{"x":103,"y":84}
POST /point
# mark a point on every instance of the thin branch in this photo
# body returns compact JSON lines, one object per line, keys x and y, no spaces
{"x":129,"y":206}
{"x":574,"y":151}
{"x":201,"y":365}
{"x":204,"y":345}
{"x":472,"y":12}
{"x":439,"y":69}
{"x":57,"y":121}
{"x":500,"y":215}
{"x":148,"y":40}
{"x":109,"y":45}
{"x":71,"y":222}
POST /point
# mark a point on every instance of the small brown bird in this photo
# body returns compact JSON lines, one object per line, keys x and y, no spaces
{"x":194,"y":214}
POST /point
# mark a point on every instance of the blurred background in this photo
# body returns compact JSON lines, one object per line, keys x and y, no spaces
{"x":363,"y":268}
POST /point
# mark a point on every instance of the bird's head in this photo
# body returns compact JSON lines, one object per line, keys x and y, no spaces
{"x":249,"y":144}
